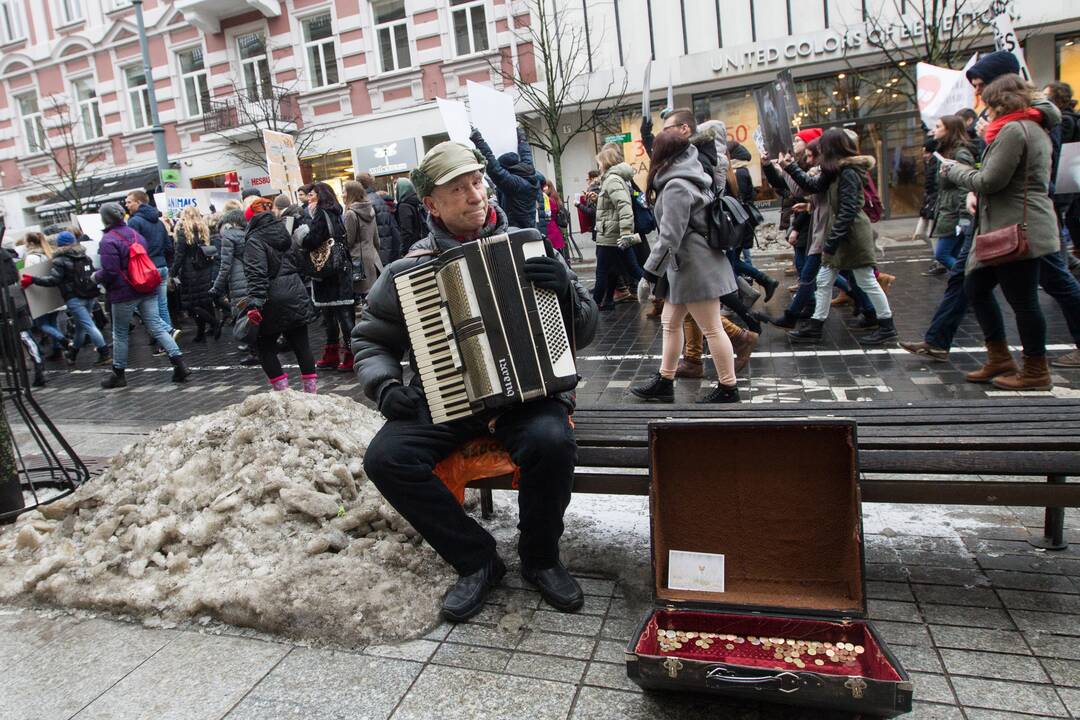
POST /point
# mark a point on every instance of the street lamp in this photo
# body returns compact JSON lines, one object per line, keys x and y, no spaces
{"x":156,"y":131}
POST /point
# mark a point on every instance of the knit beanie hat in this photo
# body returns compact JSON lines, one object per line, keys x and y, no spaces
{"x":65,"y":238}
{"x":809,"y":135}
{"x":993,"y":65}
{"x":112,"y":214}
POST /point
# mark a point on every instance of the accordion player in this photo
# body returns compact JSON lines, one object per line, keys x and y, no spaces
{"x":484,"y":337}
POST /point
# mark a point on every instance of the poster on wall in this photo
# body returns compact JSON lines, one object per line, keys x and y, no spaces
{"x":773,"y":119}
{"x":42,"y":300}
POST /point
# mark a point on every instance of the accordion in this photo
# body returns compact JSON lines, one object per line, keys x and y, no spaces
{"x":483,"y":336}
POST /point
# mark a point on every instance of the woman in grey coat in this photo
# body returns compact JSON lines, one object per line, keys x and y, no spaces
{"x":1012,"y":186}
{"x":697,"y":275}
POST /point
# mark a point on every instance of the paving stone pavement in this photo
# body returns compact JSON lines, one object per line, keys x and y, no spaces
{"x":987,"y":626}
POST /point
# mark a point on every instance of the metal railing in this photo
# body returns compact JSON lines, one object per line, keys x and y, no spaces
{"x":262,"y":106}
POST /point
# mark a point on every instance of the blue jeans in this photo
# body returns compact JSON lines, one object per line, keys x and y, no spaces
{"x":800,"y":259}
{"x":82,"y":310}
{"x":947,"y":248}
{"x":953,"y":306}
{"x":47,"y":324}
{"x":1059,"y":283}
{"x":121,"y":319}
{"x":804,"y":296}
{"x":741,"y":267}
{"x":609,"y":259}
{"x":163,"y":300}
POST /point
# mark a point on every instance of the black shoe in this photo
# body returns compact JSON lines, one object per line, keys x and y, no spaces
{"x":722,"y":394}
{"x":658,"y":389}
{"x":180,"y":371}
{"x":866,"y":321}
{"x":250,"y":361}
{"x":39,"y":376}
{"x":115,"y":379}
{"x":71,"y":354}
{"x":886,"y":332}
{"x":217,"y":331}
{"x":770,"y":286}
{"x":104,"y":356}
{"x":467,"y":596}
{"x":558,"y":588}
{"x":787,"y":321}
{"x":808,"y":332}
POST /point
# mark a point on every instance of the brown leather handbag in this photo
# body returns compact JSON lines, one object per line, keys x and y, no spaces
{"x":1010,"y":243}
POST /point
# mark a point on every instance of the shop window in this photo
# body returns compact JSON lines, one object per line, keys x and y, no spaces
{"x":1068,"y":54}
{"x":392,"y":31}
{"x":320,"y":50}
{"x":194,"y":80}
{"x":89,"y":107}
{"x":470,"y":26}
{"x":31,"y":121}
{"x":12,"y":27}
{"x":138,"y":96}
{"x":255,"y":66}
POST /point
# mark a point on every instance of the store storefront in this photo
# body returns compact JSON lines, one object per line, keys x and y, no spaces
{"x":387,"y":162}
{"x":1068,"y":61}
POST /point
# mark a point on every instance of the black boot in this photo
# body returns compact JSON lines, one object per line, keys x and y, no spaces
{"x":71,"y":353}
{"x":770,"y":286}
{"x":180,"y":371}
{"x":786,"y":320}
{"x":658,"y":389}
{"x":808,"y":332}
{"x":558,"y":588}
{"x":864,"y":322}
{"x":722,"y":394}
{"x":466,"y":597}
{"x":115,"y":380}
{"x":39,"y":375}
{"x":886,"y":332}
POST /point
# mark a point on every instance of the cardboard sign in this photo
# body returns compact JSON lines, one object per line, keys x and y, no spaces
{"x":42,"y":300}
{"x":942,"y":91}
{"x":1005,"y":39}
{"x":492,"y":113}
{"x":282,"y":162}
{"x":455,"y":117}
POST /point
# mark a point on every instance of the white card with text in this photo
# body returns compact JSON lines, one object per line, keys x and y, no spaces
{"x":703,"y":572}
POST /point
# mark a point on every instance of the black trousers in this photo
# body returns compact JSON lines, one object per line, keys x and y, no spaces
{"x":1020,"y":284}
{"x":401,"y":458}
{"x":338,"y":321}
{"x":297,"y":338}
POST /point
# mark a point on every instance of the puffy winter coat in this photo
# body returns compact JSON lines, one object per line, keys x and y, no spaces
{"x":274,"y":285}
{"x":515,"y":179}
{"x":952,"y":199}
{"x":614,"y":212}
{"x":380,"y":339}
{"x":694,"y":270}
{"x":385,"y":222}
{"x":362,"y":239}
{"x":195,"y":281}
{"x":114,"y":255}
{"x":231,"y":279}
{"x":159,"y":246}
{"x":410,"y":220}
{"x":849,"y":238}
{"x":338,"y":290}
{"x":66,"y":264}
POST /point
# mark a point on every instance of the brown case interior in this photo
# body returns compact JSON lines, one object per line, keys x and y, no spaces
{"x":779,"y":500}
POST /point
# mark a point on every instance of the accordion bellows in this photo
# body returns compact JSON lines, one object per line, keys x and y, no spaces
{"x":482,"y":335}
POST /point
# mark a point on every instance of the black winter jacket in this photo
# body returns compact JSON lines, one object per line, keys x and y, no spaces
{"x":930,"y":189}
{"x":518,"y":187}
{"x":159,"y":246}
{"x":65,"y":263}
{"x":274,"y":285}
{"x":385,"y":222}
{"x":410,"y":220}
{"x":380,"y":339}
{"x":195,"y":282}
{"x":332,"y":290}
{"x":231,"y":279}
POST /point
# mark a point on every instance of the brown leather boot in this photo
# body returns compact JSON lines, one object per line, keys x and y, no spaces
{"x":998,"y":362}
{"x":657,"y":309}
{"x":1034,"y":376}
{"x":743,"y":344}
{"x":690,"y":368}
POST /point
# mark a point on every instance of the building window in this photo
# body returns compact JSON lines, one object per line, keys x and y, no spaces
{"x":85,"y":92}
{"x":470,"y":26}
{"x":70,"y":11}
{"x":193,"y":78}
{"x":138,"y":96}
{"x":392,"y":30}
{"x":11,"y":21}
{"x":32,"y":125}
{"x":255,"y":65}
{"x":1068,"y":61}
{"x":320,"y":51}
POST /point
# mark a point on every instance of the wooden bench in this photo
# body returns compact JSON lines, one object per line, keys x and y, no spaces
{"x":1034,"y":440}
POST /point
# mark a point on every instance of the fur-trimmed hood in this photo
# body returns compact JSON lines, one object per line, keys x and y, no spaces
{"x":75,"y":250}
{"x":866,"y":163}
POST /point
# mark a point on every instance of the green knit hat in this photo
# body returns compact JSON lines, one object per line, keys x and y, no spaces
{"x":443,"y":163}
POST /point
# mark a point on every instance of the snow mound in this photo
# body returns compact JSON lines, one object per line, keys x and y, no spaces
{"x":259,"y":515}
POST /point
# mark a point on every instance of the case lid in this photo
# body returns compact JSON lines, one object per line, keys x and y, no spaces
{"x":779,"y":499}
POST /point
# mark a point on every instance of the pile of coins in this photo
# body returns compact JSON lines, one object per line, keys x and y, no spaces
{"x":799,"y":653}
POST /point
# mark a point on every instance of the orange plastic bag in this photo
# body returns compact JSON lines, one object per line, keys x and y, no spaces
{"x":477,"y":459}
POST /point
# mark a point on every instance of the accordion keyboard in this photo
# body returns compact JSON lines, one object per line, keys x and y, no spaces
{"x":437,"y":358}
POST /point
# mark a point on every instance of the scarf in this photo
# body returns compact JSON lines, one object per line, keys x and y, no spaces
{"x":997,"y":124}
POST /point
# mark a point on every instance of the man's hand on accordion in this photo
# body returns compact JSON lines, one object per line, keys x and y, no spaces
{"x":548,"y":273}
{"x":401,"y":402}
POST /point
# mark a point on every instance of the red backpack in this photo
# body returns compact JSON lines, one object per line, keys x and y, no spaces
{"x":872,"y":205}
{"x":142,"y":275}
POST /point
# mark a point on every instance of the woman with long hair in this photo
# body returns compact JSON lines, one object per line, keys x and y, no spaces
{"x":697,"y":274}
{"x":193,"y":270}
{"x":362,"y":237}
{"x":554,"y":232}
{"x":329,"y":266}
{"x":614,"y":227}
{"x":953,"y":143}
{"x":39,"y":250}
{"x":1012,"y":186}
{"x":848,"y":238}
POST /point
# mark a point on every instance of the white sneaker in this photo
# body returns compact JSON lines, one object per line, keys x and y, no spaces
{"x":176,"y":333}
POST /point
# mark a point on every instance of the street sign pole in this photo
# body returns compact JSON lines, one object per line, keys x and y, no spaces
{"x":156,"y":130}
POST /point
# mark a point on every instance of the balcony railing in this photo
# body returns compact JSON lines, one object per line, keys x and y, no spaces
{"x":255,"y":109}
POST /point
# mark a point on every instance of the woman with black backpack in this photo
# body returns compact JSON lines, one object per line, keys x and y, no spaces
{"x":72,"y":273}
{"x":193,"y":269}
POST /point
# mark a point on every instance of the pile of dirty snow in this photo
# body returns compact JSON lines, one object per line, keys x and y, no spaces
{"x":258,"y":515}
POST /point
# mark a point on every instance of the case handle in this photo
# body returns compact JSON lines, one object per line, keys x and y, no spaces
{"x":785,"y":682}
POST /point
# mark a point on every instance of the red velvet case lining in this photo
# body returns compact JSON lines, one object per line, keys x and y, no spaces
{"x":871,"y":664}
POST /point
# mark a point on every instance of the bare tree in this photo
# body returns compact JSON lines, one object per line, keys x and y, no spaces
{"x":907,"y":32}
{"x":74,"y":178}
{"x":558,"y":99}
